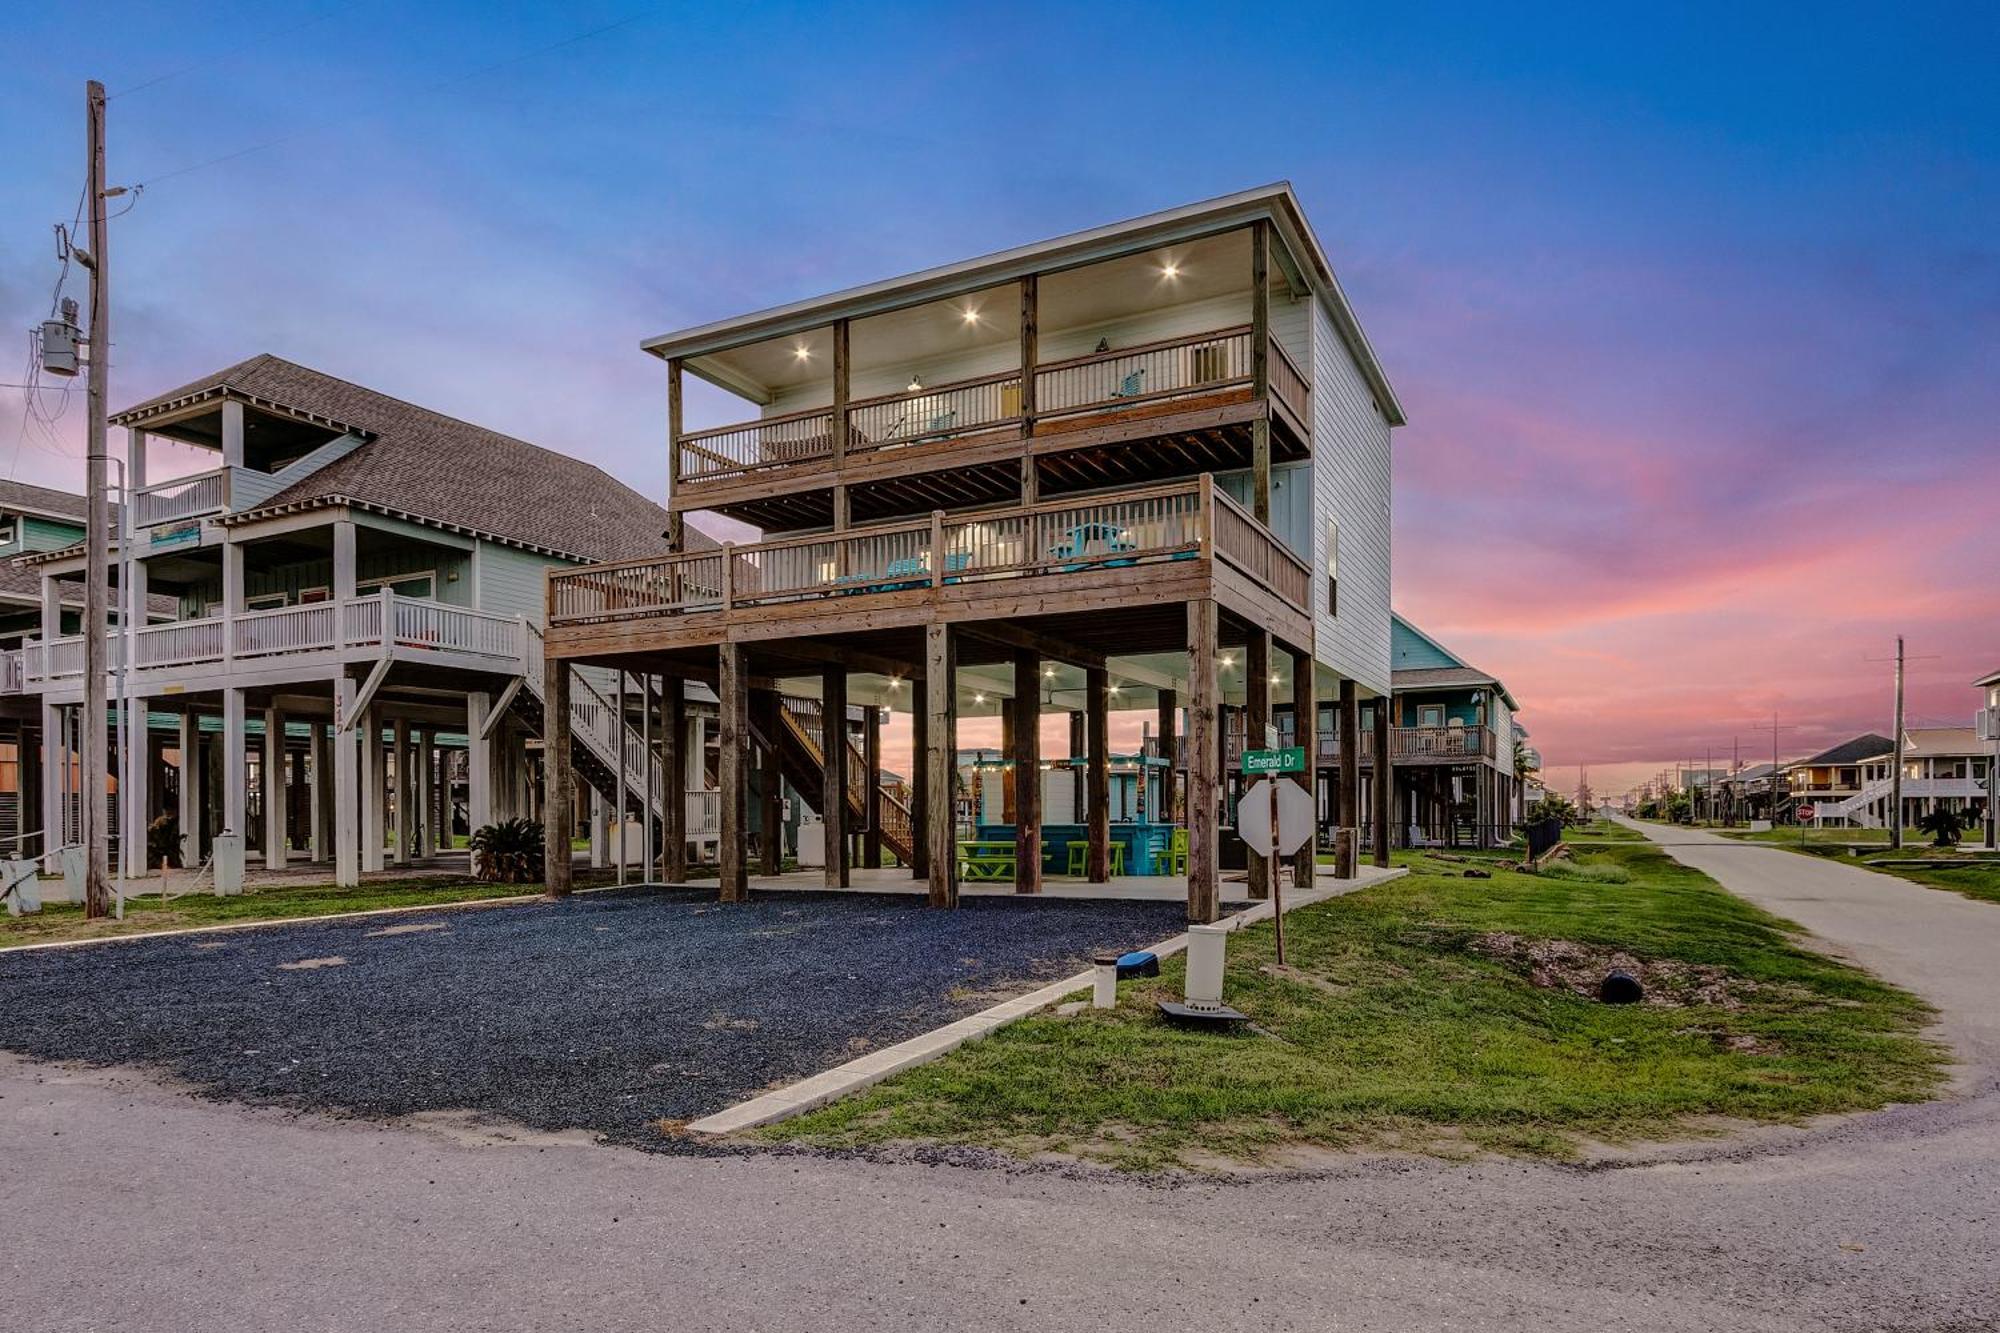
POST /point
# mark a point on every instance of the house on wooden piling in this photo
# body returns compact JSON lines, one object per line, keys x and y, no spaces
{"x":349,"y":669}
{"x":1084,"y":473}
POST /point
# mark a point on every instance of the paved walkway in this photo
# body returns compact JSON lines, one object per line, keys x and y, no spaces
{"x":1939,"y":944}
{"x":220,"y":1218}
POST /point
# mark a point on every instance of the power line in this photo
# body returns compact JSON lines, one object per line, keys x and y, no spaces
{"x":429,"y":88}
{"x":159,"y":79}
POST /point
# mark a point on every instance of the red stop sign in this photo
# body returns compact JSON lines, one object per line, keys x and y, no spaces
{"x":1806,"y":814}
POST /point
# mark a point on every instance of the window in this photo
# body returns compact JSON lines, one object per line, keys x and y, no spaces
{"x":1333,"y":567}
{"x":7,"y":531}
{"x":1430,"y":715}
{"x":269,"y":601}
{"x":423,"y":586}
{"x":308,"y":596}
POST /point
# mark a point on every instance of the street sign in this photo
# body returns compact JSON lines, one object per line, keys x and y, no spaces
{"x":1253,"y":818}
{"x":1292,"y":760}
{"x":1807,"y":814}
{"x":1297,"y":812}
{"x":1278,"y":833}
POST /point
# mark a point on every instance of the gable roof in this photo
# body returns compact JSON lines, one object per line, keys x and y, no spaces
{"x":22,"y":498}
{"x":1869,"y":746}
{"x":430,"y":468}
{"x":1419,"y":661}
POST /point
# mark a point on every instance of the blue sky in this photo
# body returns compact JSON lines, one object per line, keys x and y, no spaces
{"x":1695,"y":312}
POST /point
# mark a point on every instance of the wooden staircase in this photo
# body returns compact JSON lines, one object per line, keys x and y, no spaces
{"x":803,"y":763}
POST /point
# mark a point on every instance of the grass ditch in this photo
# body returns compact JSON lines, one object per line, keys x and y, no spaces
{"x":1439,"y":1013}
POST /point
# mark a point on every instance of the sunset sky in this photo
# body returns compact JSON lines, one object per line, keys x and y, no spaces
{"x":1696,"y":318}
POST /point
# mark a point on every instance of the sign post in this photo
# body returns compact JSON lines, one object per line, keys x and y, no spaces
{"x":1275,"y":819}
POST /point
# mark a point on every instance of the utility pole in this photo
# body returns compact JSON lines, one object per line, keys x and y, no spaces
{"x":1896,"y":758}
{"x":91,"y":738}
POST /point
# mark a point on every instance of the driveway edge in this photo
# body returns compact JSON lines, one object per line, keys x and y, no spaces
{"x":811,"y":1093}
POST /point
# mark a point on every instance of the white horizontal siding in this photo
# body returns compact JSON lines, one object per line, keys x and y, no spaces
{"x":1350,"y":484}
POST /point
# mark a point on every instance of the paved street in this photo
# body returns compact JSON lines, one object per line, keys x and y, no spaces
{"x":213,"y":1216}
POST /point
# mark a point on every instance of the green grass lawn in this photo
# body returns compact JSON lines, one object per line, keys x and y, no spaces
{"x":65,"y":921}
{"x":1410,"y":1016}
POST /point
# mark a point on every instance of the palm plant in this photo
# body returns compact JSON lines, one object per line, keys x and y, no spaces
{"x":1944,"y":826}
{"x":509,"y":852}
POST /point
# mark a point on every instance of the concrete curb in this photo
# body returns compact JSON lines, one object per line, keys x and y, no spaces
{"x":807,"y":1094}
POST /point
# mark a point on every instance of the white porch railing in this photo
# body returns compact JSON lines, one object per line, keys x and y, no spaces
{"x":314,"y":627}
{"x":13,"y":670}
{"x":181,"y":498}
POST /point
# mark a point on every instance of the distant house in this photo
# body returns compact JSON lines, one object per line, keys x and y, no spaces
{"x":1840,"y":784}
{"x":1452,"y":744}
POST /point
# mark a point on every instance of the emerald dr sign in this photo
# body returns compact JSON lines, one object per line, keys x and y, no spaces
{"x":1275,"y":761}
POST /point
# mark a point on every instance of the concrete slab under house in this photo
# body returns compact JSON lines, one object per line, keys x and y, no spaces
{"x":1142,"y":468}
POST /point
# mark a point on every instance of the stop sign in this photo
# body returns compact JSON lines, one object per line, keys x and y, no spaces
{"x":1807,"y":814}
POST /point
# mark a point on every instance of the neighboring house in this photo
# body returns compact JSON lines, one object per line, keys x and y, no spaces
{"x":354,"y":567}
{"x":1944,"y":768}
{"x":1122,"y":455}
{"x":32,"y":518}
{"x":1986,"y":726}
{"x":1452,"y":733}
{"x":1837,"y":783}
{"x":1757,"y":792}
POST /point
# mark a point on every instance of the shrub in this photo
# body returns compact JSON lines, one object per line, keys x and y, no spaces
{"x":163,"y":843}
{"x":509,"y":852}
{"x":1944,"y":826}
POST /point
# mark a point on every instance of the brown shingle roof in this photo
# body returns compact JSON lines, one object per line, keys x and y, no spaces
{"x":1867,"y":746}
{"x":427,"y":466}
{"x":1439,"y":678}
{"x":19,"y":495}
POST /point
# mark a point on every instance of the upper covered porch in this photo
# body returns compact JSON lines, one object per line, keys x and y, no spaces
{"x":1135,"y":363}
{"x":261,"y":448}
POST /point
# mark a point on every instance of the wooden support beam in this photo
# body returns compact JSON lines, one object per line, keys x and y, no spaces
{"x":940,"y":765}
{"x":871,"y":795}
{"x":920,"y":847}
{"x":817,"y":653}
{"x":1256,"y":721}
{"x":1260,"y":369}
{"x":670,"y":744}
{"x":833,"y":774}
{"x":1385,"y":778}
{"x":1097,"y":773}
{"x":770,"y":787}
{"x":1350,"y":779}
{"x":1169,"y":728}
{"x":1305,"y":725}
{"x":733,"y":736}
{"x":841,"y":378}
{"x":1203,"y":763}
{"x":557,"y":780}
{"x":1042,"y":645}
{"x":1027,"y":757}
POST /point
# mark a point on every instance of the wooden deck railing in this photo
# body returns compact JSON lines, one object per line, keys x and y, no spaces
{"x":1407,"y":745}
{"x":1245,"y":543}
{"x":1129,"y":528}
{"x":1100,"y":382}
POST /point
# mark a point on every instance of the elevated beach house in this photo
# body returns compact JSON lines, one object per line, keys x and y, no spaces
{"x":352,"y":667}
{"x":1075,"y":475}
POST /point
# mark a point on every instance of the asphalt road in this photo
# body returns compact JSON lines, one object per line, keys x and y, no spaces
{"x":130,"y":1206}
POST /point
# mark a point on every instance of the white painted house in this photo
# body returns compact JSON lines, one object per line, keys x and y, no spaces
{"x":357,"y":597}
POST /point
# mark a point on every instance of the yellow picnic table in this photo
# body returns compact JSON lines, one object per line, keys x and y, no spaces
{"x":985,"y":859}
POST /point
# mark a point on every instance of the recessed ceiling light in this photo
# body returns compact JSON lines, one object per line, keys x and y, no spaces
{"x":971,"y":315}
{"x":802,"y":352}
{"x":1170,"y":269}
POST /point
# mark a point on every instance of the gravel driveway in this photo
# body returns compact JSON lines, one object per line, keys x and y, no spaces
{"x":607,"y":1012}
